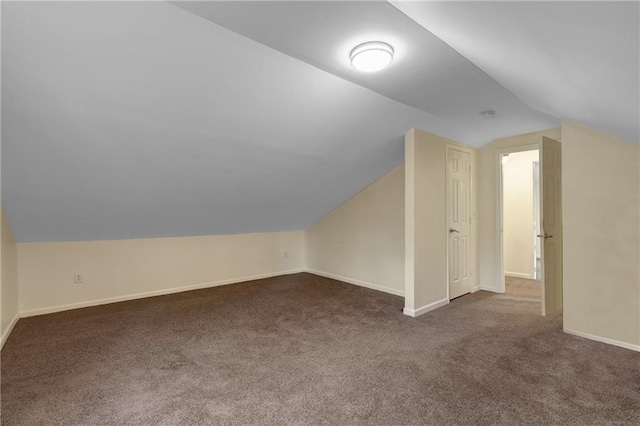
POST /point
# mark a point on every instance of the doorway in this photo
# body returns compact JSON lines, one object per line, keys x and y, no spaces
{"x":530,"y":222}
{"x":522,"y":253}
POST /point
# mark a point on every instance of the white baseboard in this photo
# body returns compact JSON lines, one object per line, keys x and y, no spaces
{"x":9,"y":329}
{"x":426,"y":308}
{"x":60,"y":308}
{"x":519,"y":275}
{"x":357,"y":282}
{"x":491,"y":289}
{"x":604,"y":340}
{"x":475,"y":288}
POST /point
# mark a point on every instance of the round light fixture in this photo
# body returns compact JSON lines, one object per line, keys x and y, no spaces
{"x":371,"y":56}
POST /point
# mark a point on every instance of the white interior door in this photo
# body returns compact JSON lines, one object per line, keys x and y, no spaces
{"x":459,"y":221}
{"x":551,"y":234}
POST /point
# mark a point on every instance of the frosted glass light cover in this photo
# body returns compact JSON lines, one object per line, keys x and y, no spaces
{"x":372,"y":56}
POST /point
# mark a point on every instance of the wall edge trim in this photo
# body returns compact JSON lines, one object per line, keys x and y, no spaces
{"x":491,"y":289}
{"x":519,"y":275}
{"x":6,"y":334}
{"x":601,"y":339}
{"x":426,"y":308}
{"x":353,"y":281}
{"x":105,"y":301}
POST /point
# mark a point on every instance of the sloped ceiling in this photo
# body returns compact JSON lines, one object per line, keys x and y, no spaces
{"x":576,"y":60}
{"x":126,"y":120}
{"x":426,"y":73}
{"x":129,"y":120}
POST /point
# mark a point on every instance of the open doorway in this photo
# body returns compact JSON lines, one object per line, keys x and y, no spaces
{"x":522,"y":254}
{"x":535,"y":260}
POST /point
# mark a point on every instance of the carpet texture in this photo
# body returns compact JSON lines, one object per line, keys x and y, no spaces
{"x":306,"y":350}
{"x":523,"y":288}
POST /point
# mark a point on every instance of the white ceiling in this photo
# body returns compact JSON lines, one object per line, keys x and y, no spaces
{"x":426,"y":73}
{"x":138,"y":119}
{"x":125,"y":120}
{"x":576,"y":60}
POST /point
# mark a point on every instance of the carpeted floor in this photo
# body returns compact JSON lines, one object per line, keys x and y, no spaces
{"x":523,"y":288}
{"x":303,"y":350}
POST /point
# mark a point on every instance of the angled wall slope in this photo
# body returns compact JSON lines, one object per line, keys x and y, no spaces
{"x":362,"y":241}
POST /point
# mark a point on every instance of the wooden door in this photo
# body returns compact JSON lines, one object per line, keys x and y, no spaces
{"x":551,"y":234}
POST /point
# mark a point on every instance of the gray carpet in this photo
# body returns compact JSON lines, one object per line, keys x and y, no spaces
{"x":303,"y":350}
{"x":523,"y":288}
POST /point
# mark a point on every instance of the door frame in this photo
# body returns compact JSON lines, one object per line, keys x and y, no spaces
{"x":500,"y":204}
{"x":472,"y":214}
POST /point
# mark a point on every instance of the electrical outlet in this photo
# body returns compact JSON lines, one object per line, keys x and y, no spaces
{"x":286,"y":254}
{"x":77,"y":278}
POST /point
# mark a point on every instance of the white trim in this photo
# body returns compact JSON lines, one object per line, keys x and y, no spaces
{"x":60,"y":308}
{"x":604,"y":340}
{"x":357,"y":282}
{"x":491,"y":289}
{"x":6,"y":334}
{"x":518,"y":275}
{"x":426,"y":308}
{"x":475,"y":288}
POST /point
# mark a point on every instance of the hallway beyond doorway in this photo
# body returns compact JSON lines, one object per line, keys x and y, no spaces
{"x":523,"y":288}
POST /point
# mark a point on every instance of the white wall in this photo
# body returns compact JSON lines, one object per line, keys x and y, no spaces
{"x":490,"y":272}
{"x":426,"y":279}
{"x":9,"y":283}
{"x":125,"y":269}
{"x":601,"y":219}
{"x":518,"y":214}
{"x":362,"y":241}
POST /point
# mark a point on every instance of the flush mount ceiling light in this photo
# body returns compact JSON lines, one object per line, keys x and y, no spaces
{"x":371,"y":56}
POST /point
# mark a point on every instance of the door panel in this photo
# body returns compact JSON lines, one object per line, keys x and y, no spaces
{"x":551,"y":234}
{"x":459,"y":221}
